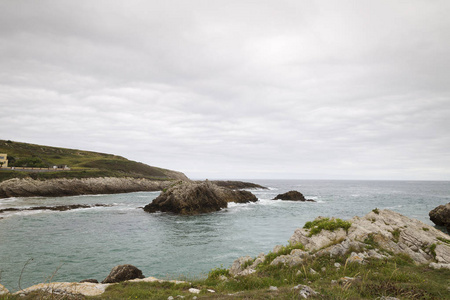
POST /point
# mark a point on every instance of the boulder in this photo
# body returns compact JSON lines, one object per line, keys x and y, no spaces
{"x":122,"y":273}
{"x":291,"y":196}
{"x":441,"y":216}
{"x":190,"y":198}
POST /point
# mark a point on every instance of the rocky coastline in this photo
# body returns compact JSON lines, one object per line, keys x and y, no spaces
{"x":381,"y":235}
{"x":28,"y":187}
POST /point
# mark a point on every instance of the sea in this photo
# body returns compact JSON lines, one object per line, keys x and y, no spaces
{"x":43,"y":246}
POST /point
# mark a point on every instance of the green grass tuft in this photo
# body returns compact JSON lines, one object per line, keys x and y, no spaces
{"x":317,"y":226}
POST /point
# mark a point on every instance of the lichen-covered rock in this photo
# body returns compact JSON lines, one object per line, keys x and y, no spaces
{"x":123,"y":273}
{"x":441,"y":216}
{"x":291,"y":195}
{"x":188,"y":198}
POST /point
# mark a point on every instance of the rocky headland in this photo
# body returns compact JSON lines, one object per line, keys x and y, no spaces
{"x":191,"y":198}
{"x":441,"y":216}
{"x":28,"y":187}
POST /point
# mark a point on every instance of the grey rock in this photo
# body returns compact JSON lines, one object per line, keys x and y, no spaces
{"x":441,"y":216}
{"x":273,"y":288}
{"x":189,"y":198}
{"x":291,"y":196}
{"x":305,"y":291}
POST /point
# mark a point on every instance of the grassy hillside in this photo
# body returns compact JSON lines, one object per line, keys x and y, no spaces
{"x":83,"y":164}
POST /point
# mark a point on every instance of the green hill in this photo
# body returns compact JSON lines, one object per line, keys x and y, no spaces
{"x":83,"y":164}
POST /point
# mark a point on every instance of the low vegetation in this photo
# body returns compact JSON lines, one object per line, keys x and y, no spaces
{"x":83,"y":164}
{"x":318,"y":225}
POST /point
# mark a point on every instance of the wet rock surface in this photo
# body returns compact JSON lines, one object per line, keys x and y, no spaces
{"x":189,"y":198}
{"x":55,"y":208}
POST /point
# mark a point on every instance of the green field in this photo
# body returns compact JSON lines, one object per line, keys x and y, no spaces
{"x":83,"y":164}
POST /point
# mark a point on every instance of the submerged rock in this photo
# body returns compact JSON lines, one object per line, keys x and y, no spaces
{"x":292,"y":196}
{"x":123,"y":273}
{"x":188,"y":198}
{"x":441,"y":216}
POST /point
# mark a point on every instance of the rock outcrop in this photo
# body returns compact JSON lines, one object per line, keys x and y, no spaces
{"x":237,"y":185}
{"x":54,"y":208}
{"x":123,"y":273}
{"x":373,"y":236}
{"x":292,"y":196}
{"x":441,"y":216}
{"x":188,"y":198}
{"x":69,"y":187}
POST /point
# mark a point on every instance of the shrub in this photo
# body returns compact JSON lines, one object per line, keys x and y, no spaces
{"x":217,"y":272}
{"x":376,"y":210}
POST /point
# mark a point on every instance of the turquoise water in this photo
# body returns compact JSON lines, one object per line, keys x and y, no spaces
{"x":87,"y":243}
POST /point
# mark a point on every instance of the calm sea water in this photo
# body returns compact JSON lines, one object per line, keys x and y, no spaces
{"x":87,"y":243}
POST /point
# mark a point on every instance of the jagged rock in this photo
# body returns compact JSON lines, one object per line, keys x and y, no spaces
{"x":291,"y":195}
{"x":288,"y":260}
{"x":305,"y":291}
{"x":441,"y":216}
{"x":389,"y":230}
{"x":122,"y":273}
{"x":89,"y":280}
{"x":188,"y":198}
{"x":356,"y":258}
{"x":238,"y":265}
{"x":3,"y":290}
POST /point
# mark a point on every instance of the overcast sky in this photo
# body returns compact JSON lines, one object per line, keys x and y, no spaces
{"x":234,"y":89}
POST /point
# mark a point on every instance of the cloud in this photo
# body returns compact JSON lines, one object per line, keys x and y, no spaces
{"x":267,"y":89}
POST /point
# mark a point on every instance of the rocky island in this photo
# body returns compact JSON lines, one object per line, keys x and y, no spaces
{"x":191,"y":198}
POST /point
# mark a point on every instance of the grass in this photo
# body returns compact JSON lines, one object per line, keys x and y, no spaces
{"x":396,"y":235}
{"x":83,"y":164}
{"x":444,"y":240}
{"x":318,"y":225}
{"x":397,"y":277}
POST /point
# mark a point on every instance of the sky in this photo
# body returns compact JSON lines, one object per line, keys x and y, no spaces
{"x":234,"y":89}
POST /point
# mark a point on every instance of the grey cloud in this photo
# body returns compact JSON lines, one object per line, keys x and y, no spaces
{"x":311,"y":89}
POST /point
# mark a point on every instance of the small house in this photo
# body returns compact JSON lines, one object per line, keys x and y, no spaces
{"x":3,"y":160}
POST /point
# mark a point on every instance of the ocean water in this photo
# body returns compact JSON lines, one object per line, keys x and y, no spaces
{"x":88,"y":243}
